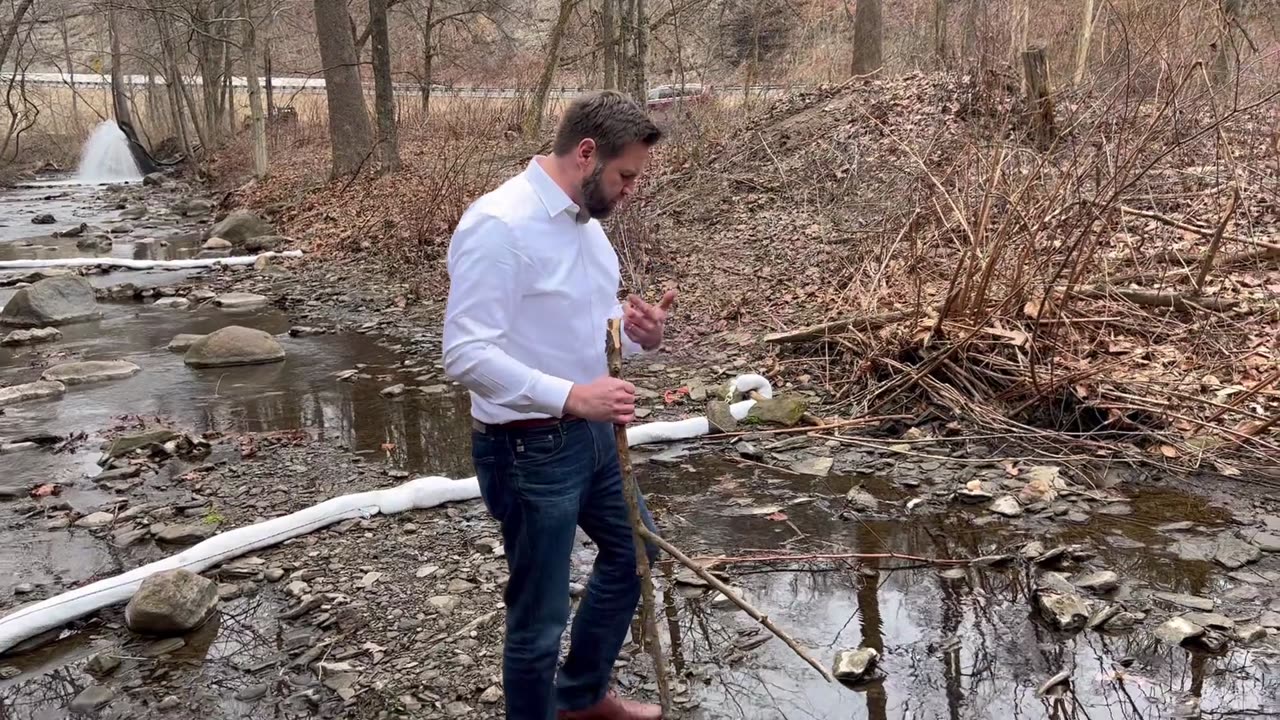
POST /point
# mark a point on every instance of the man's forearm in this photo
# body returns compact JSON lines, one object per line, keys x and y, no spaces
{"x":499,"y":378}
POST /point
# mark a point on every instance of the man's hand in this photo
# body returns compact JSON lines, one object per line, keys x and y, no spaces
{"x":645,"y":323}
{"x":606,"y":399}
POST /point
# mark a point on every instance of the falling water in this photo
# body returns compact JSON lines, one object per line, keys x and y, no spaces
{"x":106,"y":157}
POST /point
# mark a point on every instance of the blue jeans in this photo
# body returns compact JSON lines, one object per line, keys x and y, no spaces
{"x":540,"y":484}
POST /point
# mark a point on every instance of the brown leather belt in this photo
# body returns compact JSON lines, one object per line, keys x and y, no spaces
{"x":529,"y":424}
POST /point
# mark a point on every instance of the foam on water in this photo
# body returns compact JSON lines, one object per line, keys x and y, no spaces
{"x":106,"y":157}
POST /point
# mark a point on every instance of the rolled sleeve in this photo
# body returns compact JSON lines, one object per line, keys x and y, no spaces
{"x":485,"y":266}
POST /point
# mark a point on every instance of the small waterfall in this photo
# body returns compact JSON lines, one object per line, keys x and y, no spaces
{"x":106,"y":157}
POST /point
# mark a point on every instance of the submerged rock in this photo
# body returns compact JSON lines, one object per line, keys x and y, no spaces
{"x":1187,"y":601}
{"x":235,"y":300}
{"x":175,"y":303}
{"x":182,"y":342}
{"x":853,"y":665}
{"x":57,"y":300}
{"x":44,"y":219}
{"x":30,"y":391}
{"x":77,"y":373}
{"x":239,"y":227}
{"x":31,"y":337}
{"x":171,"y":603}
{"x":1101,"y":581}
{"x":1063,"y":611}
{"x":125,"y":444}
{"x":1006,"y":505}
{"x":234,"y":345}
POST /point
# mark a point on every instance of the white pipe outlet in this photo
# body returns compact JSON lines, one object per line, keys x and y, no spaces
{"x":130,"y":264}
{"x":417,"y":494}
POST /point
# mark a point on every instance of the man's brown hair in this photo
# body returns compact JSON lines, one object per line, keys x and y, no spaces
{"x":608,"y":117}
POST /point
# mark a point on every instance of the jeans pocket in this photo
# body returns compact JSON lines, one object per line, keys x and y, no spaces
{"x":491,"y":473}
{"x":538,"y":448}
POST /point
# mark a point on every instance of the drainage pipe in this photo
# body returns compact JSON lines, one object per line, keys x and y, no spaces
{"x":417,"y":494}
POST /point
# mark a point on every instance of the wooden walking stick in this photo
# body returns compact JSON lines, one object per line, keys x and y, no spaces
{"x":648,"y":608}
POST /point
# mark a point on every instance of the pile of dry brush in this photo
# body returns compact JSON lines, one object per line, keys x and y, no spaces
{"x":919,"y":247}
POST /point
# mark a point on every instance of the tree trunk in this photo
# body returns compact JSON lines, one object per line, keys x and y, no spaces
{"x":350,"y":136}
{"x":12,"y":31}
{"x":71,"y":70}
{"x":623,"y":44}
{"x":867,"y":35}
{"x":1226,"y":44}
{"x":607,"y":42}
{"x":940,"y":30}
{"x":384,"y":99}
{"x":538,"y":105}
{"x":1035,"y":68}
{"x":970,"y":47}
{"x":1082,"y":47}
{"x":119,"y":101}
{"x":266,"y":62}
{"x":428,"y":56}
{"x":639,"y":88}
{"x":250,"y":54}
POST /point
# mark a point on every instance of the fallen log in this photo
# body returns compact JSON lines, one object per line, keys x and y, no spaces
{"x":813,"y":332}
{"x":1148,"y":298}
{"x":1206,"y":232}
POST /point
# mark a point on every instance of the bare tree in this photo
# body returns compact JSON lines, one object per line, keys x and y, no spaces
{"x":249,"y":53}
{"x":119,"y":100}
{"x":1229,"y":19}
{"x":641,"y":24}
{"x":608,"y":42}
{"x":868,"y":33}
{"x":384,"y":99}
{"x":940,"y":29}
{"x":10,"y":32}
{"x":538,"y":104}
{"x":1086,"y":37}
{"x":350,"y":136}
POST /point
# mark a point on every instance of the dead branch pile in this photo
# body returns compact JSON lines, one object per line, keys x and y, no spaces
{"x":905,"y":245}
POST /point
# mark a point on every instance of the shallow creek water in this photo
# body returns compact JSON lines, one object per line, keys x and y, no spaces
{"x":953,"y":645}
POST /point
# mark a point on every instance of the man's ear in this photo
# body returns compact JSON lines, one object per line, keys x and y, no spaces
{"x":586,"y":152}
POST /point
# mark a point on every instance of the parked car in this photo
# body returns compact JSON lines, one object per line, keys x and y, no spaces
{"x":665,"y":97}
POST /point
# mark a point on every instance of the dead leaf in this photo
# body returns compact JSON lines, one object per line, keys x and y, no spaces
{"x":777,"y":517}
{"x":1169,"y":451}
{"x":388,"y":447}
{"x":1010,"y":469}
{"x":46,"y":490}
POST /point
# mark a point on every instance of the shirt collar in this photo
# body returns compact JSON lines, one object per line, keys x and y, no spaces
{"x":553,"y":198}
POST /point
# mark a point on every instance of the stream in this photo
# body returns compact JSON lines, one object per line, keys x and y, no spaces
{"x":958,"y":642}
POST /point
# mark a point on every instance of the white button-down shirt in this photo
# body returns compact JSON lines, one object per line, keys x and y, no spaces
{"x":531,"y":291}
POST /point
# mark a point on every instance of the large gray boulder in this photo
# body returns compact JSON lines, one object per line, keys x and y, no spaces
{"x":76,"y":373}
{"x":52,"y":301}
{"x":171,"y":603}
{"x":30,"y":391}
{"x":32,"y":336}
{"x":234,"y":345}
{"x":239,"y":227}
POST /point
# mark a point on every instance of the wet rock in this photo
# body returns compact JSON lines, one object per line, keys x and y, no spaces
{"x":265,"y":243}
{"x":1187,"y":601}
{"x":24,"y":589}
{"x":1042,"y":484}
{"x":12,"y":492}
{"x":172,"y":303}
{"x":123,"y":291}
{"x":216,"y":243}
{"x":38,"y":390}
{"x":88,"y":371}
{"x":252,"y":693}
{"x":1006,"y":505}
{"x":128,"y":537}
{"x":1102,"y":581}
{"x":212,"y":254}
{"x":306,"y":331}
{"x":1121,"y":622}
{"x":239,"y":227}
{"x":1211,"y":640}
{"x":96,"y":520}
{"x":125,"y":444}
{"x":1232,"y":552}
{"x":784,"y":411}
{"x":720,"y":418}
{"x":182,"y":342}
{"x":171,"y":603}
{"x":155,"y":179}
{"x":1055,"y":686}
{"x":237,"y":300}
{"x":102,"y":664}
{"x":31,"y":337}
{"x":186,"y":207}
{"x":188,"y":534}
{"x":1270,"y":619}
{"x":1032,"y":550}
{"x":163,"y":647}
{"x":136,"y":212}
{"x":228,"y":591}
{"x":234,"y":345}
{"x":91,"y":700}
{"x":1246,"y":634}
{"x":861,"y":500}
{"x":1266,"y":542}
{"x":44,"y":219}
{"x":1063,"y":611}
{"x":392,"y":391}
{"x":1191,"y":549}
{"x":748,"y":451}
{"x":1176,"y":631}
{"x":853,"y":665}
{"x":1210,"y":620}
{"x":274,"y":574}
{"x":974,"y":493}
{"x":123,"y":228}
{"x":57,"y":300}
{"x":815,"y":466}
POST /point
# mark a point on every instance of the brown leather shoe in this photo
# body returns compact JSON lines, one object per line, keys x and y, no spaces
{"x":613,"y":707}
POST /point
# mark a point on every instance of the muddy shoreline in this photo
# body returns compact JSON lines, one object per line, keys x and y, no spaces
{"x":401,"y":616}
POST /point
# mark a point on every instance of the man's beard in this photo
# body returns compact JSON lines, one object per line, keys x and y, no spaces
{"x":593,"y":198}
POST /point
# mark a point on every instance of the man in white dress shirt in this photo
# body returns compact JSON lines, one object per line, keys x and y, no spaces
{"x":533,"y":281}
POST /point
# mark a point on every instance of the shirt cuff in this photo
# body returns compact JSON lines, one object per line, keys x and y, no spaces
{"x":549,"y":394}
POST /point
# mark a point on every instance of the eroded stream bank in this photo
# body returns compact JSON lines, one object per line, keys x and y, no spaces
{"x":401,"y":616}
